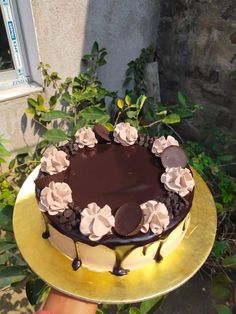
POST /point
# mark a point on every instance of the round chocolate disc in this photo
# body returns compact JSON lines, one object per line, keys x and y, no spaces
{"x":102,"y":134}
{"x":128,"y":219}
{"x":174,"y":156}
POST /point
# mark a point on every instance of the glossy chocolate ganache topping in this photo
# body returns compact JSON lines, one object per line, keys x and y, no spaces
{"x":117,"y":187}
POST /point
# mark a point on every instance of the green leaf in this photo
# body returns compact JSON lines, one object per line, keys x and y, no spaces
{"x":218,"y":248}
{"x":220,"y":208}
{"x":86,"y":58}
{"x":104,"y":119}
{"x":95,"y":47}
{"x":80,"y":124}
{"x":53,"y":100}
{"x":223,"y":309}
{"x":66,"y":97}
{"x":6,"y":213}
{"x":38,"y":106}
{"x":109,"y":127}
{"x":128,"y":100}
{"x":181,"y":99}
{"x":161,"y":114}
{"x":102,"y":62}
{"x":31,"y":102}
{"x":6,"y":245}
{"x":2,"y":161}
{"x":221,"y":286}
{"x":131,"y":114}
{"x":148,"y":306}
{"x":56,"y":114}
{"x":31,"y":111}
{"x":3,"y":151}
{"x":171,"y":119}
{"x":230,"y":261}
{"x":40,"y":100}
{"x":12,"y":163}
{"x":120,"y":103}
{"x":4,"y":258}
{"x":35,"y":290}
{"x":134,"y":310}
{"x":10,"y":275}
{"x":55,"y":136}
{"x":92,"y":113}
{"x":141,"y":100}
{"x":186,"y":114}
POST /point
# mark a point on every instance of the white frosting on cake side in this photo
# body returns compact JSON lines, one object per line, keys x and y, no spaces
{"x":101,"y":258}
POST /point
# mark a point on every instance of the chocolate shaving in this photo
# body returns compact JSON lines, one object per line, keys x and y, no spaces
{"x":174,"y":203}
{"x":70,"y":218}
{"x":146,"y":141}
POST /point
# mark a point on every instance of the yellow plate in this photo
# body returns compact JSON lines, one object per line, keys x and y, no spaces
{"x":154,"y":280}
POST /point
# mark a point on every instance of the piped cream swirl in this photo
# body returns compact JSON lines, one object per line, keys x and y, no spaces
{"x":178,"y":180}
{"x":55,"y":198}
{"x":85,"y":137}
{"x":96,"y":221}
{"x":156,"y":217}
{"x":54,"y":161}
{"x":125,"y":134}
{"x":161,"y":143}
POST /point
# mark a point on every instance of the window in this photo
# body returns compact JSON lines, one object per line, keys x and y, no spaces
{"x":6,"y":61}
{"x":18,"y":47}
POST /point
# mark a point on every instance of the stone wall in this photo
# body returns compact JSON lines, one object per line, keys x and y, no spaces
{"x":197,"y":48}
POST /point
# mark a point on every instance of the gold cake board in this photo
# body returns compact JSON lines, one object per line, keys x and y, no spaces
{"x":154,"y":280}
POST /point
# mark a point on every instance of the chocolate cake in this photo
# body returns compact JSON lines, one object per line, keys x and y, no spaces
{"x":115,"y":201}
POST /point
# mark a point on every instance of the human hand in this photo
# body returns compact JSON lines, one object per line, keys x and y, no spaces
{"x":59,"y":303}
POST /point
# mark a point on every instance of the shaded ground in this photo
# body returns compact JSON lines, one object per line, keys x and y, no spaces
{"x":191,"y":298}
{"x":14,"y":301}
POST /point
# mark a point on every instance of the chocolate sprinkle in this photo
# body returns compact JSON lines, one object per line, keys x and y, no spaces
{"x":174,"y":156}
{"x":174,"y":203}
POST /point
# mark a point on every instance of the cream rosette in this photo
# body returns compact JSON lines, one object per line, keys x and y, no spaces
{"x":125,"y":134}
{"x":55,"y":198}
{"x":54,"y":161}
{"x":85,"y":137}
{"x":162,"y":143}
{"x":156,"y":217}
{"x":96,"y":221}
{"x":178,"y":180}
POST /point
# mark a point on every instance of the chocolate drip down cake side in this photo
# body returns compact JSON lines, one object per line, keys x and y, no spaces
{"x":115,"y":201}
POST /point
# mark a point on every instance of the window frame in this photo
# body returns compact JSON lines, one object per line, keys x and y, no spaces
{"x":28,"y":76}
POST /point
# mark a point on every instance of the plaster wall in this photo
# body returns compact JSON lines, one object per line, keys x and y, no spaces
{"x":66,"y":31}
